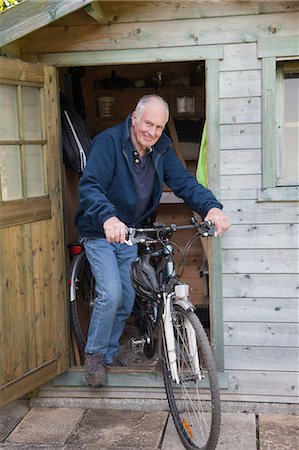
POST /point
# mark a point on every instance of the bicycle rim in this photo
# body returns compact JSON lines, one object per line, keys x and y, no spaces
{"x":81,"y":306}
{"x":194,"y":403}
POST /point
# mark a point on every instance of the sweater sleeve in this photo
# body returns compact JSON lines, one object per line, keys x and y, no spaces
{"x":95,"y":180}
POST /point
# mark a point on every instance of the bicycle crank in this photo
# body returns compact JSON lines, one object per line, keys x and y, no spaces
{"x":139,"y":343}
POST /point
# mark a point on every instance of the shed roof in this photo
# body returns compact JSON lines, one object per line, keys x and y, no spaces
{"x":30,"y":15}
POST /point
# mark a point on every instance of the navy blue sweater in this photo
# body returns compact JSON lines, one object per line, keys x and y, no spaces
{"x":107,"y":186}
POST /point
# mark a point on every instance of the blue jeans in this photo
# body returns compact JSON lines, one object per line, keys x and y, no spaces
{"x":111,"y":265}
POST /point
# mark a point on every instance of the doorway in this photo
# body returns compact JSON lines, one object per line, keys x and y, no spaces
{"x":109,"y":94}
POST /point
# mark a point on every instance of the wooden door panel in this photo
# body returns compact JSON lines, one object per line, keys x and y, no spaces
{"x":33,"y":306}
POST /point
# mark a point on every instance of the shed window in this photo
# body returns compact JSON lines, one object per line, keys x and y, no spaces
{"x":288,"y":120}
{"x":22,"y":143}
{"x":280,"y":125}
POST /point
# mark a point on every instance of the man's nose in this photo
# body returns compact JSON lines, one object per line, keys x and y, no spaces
{"x":151,"y":130}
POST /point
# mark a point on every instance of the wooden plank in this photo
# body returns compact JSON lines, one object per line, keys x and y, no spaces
{"x":39,"y":253}
{"x":239,"y":182}
{"x":260,"y":309}
{"x":261,"y":236}
{"x":261,"y":358}
{"x":212,"y":113}
{"x":18,"y":307}
{"x":240,"y":136}
{"x":238,"y":194}
{"x":274,"y":399}
{"x":95,"y":11}
{"x":138,"y":35}
{"x":240,"y":162}
{"x":20,"y":71}
{"x":10,"y":292}
{"x":259,"y":261}
{"x":278,"y":46}
{"x":279,"y":194}
{"x":263,"y":383}
{"x":240,"y":110}
{"x":260,"y":285}
{"x":56,"y":232}
{"x":3,"y":281}
{"x":27,"y":383}
{"x":33,"y":14}
{"x":262,"y":334}
{"x":131,"y":56}
{"x":248,"y":211}
{"x":268,"y":119}
{"x":243,"y":83}
{"x":28,"y":286}
{"x":233,"y":57}
{"x":146,"y":11}
{"x":24,"y":211}
{"x":114,"y":379}
{"x":145,"y":379}
{"x":214,"y":250}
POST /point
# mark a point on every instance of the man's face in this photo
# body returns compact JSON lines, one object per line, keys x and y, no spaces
{"x":148,"y":124}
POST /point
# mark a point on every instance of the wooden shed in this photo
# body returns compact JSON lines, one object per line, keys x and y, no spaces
{"x":233,"y":65}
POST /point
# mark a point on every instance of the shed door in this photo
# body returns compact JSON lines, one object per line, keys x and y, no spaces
{"x":33,"y":313}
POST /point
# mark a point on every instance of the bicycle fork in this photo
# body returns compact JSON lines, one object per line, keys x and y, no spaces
{"x":170,"y":337}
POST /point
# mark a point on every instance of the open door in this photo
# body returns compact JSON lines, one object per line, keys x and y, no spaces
{"x":33,"y":308}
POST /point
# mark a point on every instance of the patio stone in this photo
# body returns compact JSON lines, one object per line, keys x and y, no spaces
{"x":46,"y":426}
{"x":278,"y":432}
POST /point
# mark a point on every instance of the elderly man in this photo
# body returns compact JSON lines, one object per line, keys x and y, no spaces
{"x":121,"y":187}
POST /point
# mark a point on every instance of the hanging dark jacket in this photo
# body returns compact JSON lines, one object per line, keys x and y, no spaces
{"x":75,"y":137}
{"x":107,"y":187}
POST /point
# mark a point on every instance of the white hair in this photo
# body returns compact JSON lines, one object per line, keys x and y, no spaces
{"x":147,"y":98}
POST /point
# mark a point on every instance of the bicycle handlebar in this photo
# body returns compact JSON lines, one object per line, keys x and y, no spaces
{"x":160,"y":231}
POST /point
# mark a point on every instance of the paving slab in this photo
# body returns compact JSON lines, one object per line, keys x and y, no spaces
{"x":278,"y":432}
{"x":118,"y":430}
{"x":237,"y":432}
{"x":11,"y":415}
{"x":46,"y":426}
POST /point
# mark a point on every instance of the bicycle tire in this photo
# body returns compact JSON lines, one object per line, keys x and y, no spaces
{"x":82,"y":295}
{"x":195,"y":410}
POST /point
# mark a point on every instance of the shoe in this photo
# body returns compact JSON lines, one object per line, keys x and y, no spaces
{"x":116,"y":363}
{"x":95,"y":370}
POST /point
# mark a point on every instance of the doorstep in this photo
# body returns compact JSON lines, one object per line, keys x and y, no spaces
{"x":126,"y":377}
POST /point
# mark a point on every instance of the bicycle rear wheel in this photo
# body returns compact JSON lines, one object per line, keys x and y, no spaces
{"x":82,"y":295}
{"x":194,"y":403}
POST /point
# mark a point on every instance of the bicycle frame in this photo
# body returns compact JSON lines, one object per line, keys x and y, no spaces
{"x":178,"y":294}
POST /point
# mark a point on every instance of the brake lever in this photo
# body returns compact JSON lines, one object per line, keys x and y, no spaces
{"x":207,"y":228}
{"x":133,"y":239}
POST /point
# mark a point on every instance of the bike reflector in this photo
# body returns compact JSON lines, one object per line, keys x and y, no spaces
{"x":75,"y":249}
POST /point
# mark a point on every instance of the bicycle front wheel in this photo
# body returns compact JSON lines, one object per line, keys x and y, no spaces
{"x":82,"y":295}
{"x":195,"y":401}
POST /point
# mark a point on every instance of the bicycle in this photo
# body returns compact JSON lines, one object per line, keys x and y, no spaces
{"x":168,"y":323}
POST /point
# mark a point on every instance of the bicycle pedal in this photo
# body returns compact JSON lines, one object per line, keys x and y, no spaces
{"x":137,"y":344}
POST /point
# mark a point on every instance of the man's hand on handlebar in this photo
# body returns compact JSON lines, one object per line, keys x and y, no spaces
{"x":219,"y":219}
{"x":115,"y":230}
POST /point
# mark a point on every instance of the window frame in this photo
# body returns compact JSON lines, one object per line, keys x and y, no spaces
{"x":27,"y":209}
{"x":281,"y":69}
{"x":271,"y":141}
